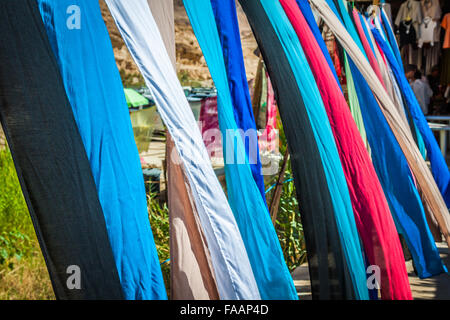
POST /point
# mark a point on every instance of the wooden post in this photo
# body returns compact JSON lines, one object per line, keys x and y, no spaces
{"x":275,"y":203}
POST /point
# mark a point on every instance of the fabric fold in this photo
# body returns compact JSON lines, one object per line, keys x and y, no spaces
{"x":51,"y":161}
{"x":232,"y":269}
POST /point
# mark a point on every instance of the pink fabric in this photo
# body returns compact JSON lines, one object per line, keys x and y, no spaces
{"x":268,"y":140}
{"x":373,"y":217}
{"x":209,"y":125}
{"x":372,"y":60}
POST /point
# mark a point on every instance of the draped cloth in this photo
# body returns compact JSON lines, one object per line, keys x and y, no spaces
{"x":332,"y":244}
{"x":429,"y":191}
{"x":230,"y":39}
{"x":251,"y":212}
{"x":399,"y":186}
{"x":51,"y":161}
{"x":373,"y":217}
{"x":191,"y":271}
{"x":438,"y":165}
{"x":232,"y":270}
{"x":96,"y":94}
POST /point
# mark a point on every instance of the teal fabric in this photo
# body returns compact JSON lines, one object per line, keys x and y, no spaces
{"x":263,"y":248}
{"x":330,"y":158}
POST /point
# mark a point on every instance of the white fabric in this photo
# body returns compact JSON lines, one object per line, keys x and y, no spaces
{"x":427,"y":30}
{"x":426,"y":184}
{"x":234,"y":275}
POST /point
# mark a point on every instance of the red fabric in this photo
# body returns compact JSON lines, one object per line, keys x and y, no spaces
{"x":209,"y":125}
{"x":373,"y":217}
{"x":372,"y":60}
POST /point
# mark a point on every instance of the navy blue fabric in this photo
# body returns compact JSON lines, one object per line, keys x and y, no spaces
{"x":230,"y":39}
{"x":438,"y":165}
{"x":396,"y":178}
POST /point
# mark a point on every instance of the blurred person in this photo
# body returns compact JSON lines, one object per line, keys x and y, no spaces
{"x":422,"y":91}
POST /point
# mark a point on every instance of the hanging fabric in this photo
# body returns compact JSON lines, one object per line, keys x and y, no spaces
{"x":232,"y":270}
{"x":252,"y":215}
{"x":51,"y":161}
{"x":372,"y":215}
{"x":191,"y":273}
{"x":433,"y":202}
{"x":334,"y":253}
{"x":438,"y":165}
{"x":230,"y":39}
{"x":395,"y":176}
{"x":96,"y":94}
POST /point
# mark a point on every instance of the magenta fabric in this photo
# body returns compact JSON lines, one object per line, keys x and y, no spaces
{"x":209,"y":125}
{"x":372,"y":60}
{"x":373,"y":218}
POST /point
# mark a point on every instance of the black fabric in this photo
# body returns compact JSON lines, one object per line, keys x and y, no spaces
{"x":327,"y":266}
{"x":407,"y":34}
{"x":50,"y":158}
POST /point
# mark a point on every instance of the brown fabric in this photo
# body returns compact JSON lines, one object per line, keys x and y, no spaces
{"x":192,"y":276}
{"x":431,"y":196}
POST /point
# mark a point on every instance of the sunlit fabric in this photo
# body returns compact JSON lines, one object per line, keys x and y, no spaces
{"x":252,"y":216}
{"x":398,"y":183}
{"x":438,"y":165}
{"x":372,"y":215}
{"x":51,"y":161}
{"x":334,"y":252}
{"x":428,"y":190}
{"x":232,"y":270}
{"x":230,"y":39}
{"x":191,"y":272}
{"x":96,"y":94}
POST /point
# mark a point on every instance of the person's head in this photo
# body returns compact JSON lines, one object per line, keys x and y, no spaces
{"x":417,"y":75}
{"x":410,"y":69}
{"x":435,"y":71}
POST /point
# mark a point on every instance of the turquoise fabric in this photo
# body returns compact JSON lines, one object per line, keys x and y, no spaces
{"x":319,"y":120}
{"x":263,"y":248}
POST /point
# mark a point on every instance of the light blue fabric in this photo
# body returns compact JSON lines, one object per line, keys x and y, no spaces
{"x":94,"y":88}
{"x":230,"y":39}
{"x":438,"y":165}
{"x":396,"y":179}
{"x":391,"y":37}
{"x":325,"y":141}
{"x":252,"y":216}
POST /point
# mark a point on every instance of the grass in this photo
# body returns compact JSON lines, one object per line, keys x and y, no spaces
{"x":23,"y":274}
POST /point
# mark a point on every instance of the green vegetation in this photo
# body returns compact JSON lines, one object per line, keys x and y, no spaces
{"x":186,"y":81}
{"x":23,"y":274}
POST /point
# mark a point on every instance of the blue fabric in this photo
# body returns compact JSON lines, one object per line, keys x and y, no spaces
{"x":438,"y":165}
{"x":94,"y":88}
{"x":396,"y":179}
{"x":326,"y":144}
{"x":309,"y":16}
{"x":230,"y":38}
{"x":391,"y":38}
{"x":266,"y":258}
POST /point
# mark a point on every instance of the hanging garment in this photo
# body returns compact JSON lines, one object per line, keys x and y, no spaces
{"x":232,"y":270}
{"x":191,"y":273}
{"x":411,"y":11}
{"x":96,"y":94}
{"x":51,"y":161}
{"x":427,"y":29}
{"x":230,"y":39}
{"x":432,"y":9}
{"x":372,"y":215}
{"x":432,"y":199}
{"x":252,"y":215}
{"x":446,"y":25}
{"x":334,"y":254}
{"x":438,"y":165}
